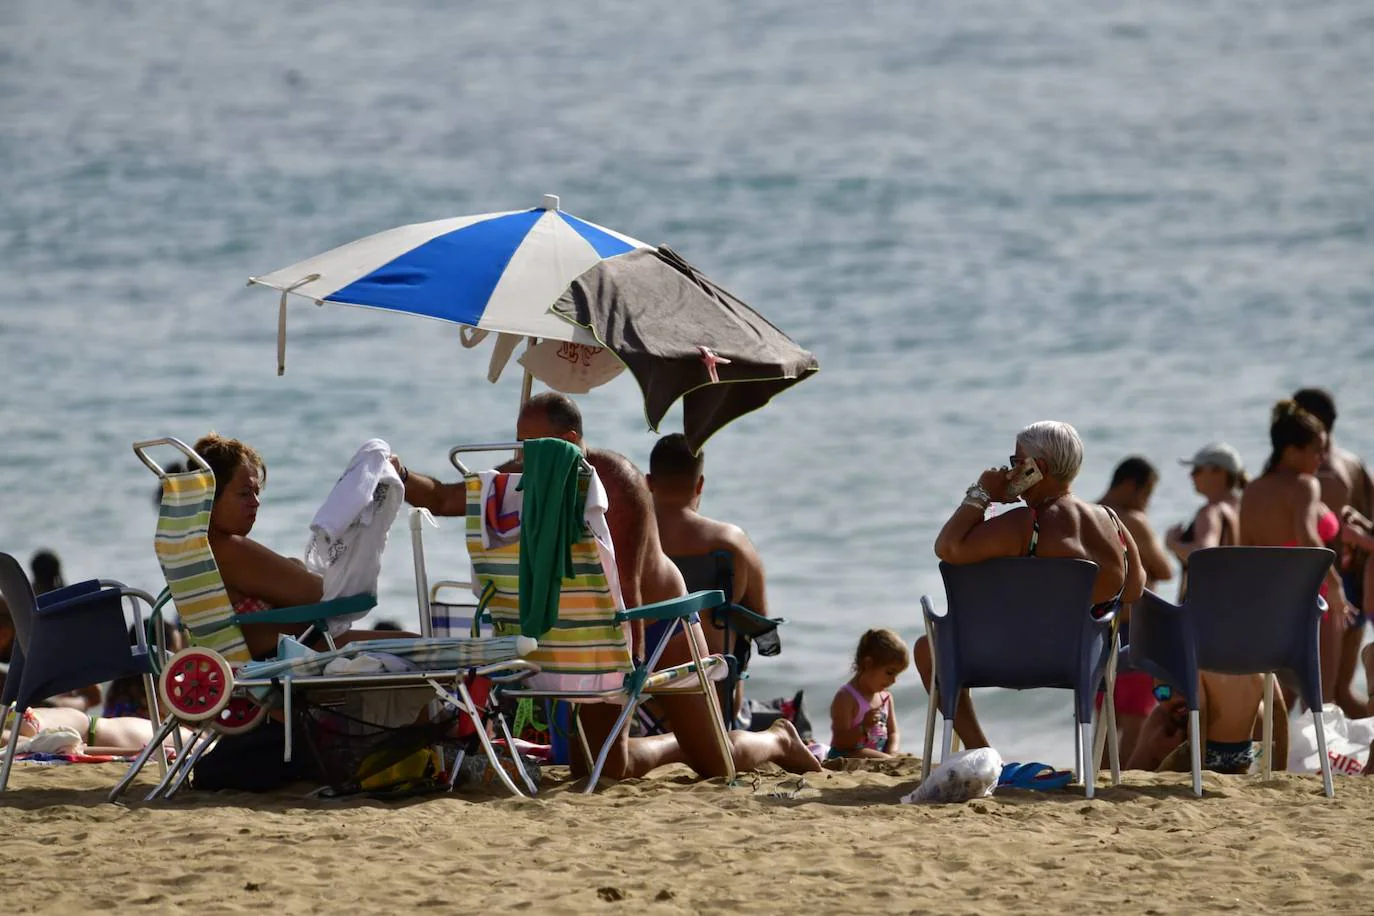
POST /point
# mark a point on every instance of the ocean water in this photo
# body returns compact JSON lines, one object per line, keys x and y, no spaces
{"x":1148,"y":219}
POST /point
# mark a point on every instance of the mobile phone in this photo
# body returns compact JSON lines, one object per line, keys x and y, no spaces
{"x":1022,"y":477}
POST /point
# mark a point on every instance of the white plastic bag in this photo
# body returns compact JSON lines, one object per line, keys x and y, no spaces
{"x":1347,"y":742}
{"x":964,"y":776}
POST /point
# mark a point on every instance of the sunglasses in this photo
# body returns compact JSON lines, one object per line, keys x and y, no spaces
{"x":1163,"y":693}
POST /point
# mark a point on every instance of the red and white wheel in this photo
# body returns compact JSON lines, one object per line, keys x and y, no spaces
{"x":195,"y":684}
{"x":242,"y":714}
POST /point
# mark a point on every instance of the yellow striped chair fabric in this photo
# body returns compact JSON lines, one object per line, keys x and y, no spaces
{"x":183,"y":549}
{"x":587,"y":649}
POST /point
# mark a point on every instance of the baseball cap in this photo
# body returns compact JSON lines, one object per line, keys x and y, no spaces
{"x":1216,"y":455}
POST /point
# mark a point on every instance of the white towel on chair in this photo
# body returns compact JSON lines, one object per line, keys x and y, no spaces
{"x":349,"y":531}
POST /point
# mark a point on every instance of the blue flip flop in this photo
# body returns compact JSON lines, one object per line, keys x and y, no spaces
{"x":1037,"y":776}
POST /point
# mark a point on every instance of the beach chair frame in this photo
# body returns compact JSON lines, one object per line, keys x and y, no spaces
{"x":216,"y":688}
{"x":640,"y":680}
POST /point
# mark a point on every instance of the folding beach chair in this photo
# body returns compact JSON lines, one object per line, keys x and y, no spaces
{"x":585,"y":656}
{"x":745,"y":631}
{"x":216,"y":688}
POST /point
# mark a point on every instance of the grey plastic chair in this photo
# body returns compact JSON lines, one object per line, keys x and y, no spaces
{"x":1249,"y":610}
{"x":1022,"y":623}
{"x":68,"y":639}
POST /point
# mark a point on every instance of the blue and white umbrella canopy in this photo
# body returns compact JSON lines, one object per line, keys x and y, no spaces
{"x":494,"y":271}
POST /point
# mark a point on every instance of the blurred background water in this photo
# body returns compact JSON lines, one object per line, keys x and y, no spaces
{"x":1148,"y":219}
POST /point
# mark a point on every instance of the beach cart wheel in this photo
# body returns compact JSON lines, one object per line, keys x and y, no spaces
{"x":242,"y":714}
{"x":195,"y":684}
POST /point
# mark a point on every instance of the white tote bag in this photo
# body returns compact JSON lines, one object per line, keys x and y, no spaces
{"x":1347,"y":742}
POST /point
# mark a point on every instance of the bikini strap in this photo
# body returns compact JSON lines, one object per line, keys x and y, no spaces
{"x":1035,"y":532}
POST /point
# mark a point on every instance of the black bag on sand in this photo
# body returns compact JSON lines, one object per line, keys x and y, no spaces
{"x":252,"y":762}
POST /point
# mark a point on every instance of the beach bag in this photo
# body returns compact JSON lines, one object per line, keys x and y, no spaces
{"x":964,"y":776}
{"x":1347,"y":743}
{"x":252,"y":762}
{"x":355,"y":756}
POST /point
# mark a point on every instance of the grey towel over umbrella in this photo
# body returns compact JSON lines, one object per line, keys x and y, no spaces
{"x":655,"y":312}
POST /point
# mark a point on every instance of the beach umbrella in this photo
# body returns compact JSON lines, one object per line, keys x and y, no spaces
{"x":502,"y":273}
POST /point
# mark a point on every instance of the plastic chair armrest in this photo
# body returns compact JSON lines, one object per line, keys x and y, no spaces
{"x":67,"y":592}
{"x":73,"y":603}
{"x":674,"y":608}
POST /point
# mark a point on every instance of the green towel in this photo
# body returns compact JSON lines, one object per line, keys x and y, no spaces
{"x":550,"y":524}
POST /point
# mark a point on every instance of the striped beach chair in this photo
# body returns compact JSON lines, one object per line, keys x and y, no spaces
{"x":214,"y":685}
{"x":586,"y":656}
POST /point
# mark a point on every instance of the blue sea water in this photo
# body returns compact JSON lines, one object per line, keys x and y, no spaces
{"x":1148,"y":219}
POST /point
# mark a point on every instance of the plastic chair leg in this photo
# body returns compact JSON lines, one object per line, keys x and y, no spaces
{"x":10,"y":748}
{"x":1267,"y":766}
{"x":948,"y":740}
{"x":930,"y":731}
{"x":1195,"y":749}
{"x":1085,"y":741}
{"x":1327,"y":787}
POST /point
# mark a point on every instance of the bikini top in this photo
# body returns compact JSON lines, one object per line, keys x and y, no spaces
{"x":1101,"y":608}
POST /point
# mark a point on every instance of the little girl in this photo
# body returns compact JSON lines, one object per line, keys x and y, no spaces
{"x":862,"y":723}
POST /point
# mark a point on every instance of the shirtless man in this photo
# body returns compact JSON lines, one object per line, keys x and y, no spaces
{"x":646,"y":576}
{"x":676,"y":481}
{"x":1133,"y":483}
{"x":1231,"y":706}
{"x":1346,"y":489}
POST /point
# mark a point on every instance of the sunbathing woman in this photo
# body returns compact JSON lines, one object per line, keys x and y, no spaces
{"x":121,"y":737}
{"x":1053,"y":523}
{"x":256,"y":577}
{"x":1283,"y":508}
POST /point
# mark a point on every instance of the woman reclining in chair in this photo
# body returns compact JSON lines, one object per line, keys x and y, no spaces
{"x":1053,"y":523}
{"x":256,"y":577}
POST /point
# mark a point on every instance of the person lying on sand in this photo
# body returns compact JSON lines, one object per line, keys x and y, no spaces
{"x":1230,"y":710}
{"x":646,"y":576}
{"x":122,"y":736}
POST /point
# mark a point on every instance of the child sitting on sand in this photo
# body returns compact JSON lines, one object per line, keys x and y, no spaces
{"x":75,"y":731}
{"x":862,"y":722}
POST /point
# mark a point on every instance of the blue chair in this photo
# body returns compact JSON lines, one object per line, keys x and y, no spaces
{"x":68,"y":639}
{"x":1249,"y":610}
{"x":1022,"y":623}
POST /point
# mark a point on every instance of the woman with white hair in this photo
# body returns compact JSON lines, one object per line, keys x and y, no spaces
{"x":1052,"y":523}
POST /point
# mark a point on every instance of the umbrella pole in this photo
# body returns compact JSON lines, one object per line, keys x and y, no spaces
{"x":527,"y":385}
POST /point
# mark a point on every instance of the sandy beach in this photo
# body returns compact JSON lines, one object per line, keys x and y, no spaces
{"x":830,"y":843}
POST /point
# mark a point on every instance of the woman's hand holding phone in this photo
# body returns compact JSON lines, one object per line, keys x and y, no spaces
{"x":994,"y":481}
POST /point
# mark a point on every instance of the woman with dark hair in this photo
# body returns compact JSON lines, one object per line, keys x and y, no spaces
{"x":256,"y":577}
{"x":1283,"y":508}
